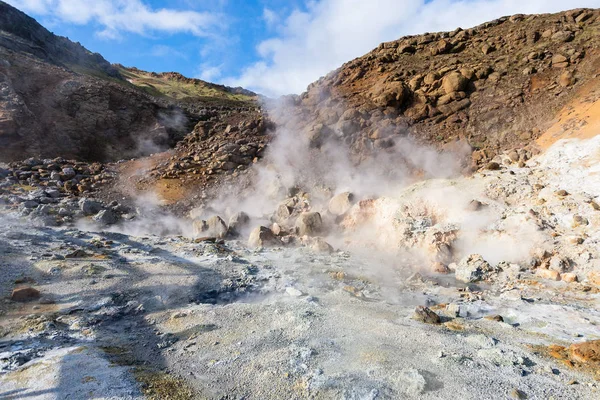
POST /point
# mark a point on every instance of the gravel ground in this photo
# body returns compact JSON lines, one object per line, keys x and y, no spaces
{"x":228,"y":322}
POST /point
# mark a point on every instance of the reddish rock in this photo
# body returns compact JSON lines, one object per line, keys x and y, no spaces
{"x":24,"y":294}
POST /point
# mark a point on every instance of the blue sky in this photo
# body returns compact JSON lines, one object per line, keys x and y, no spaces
{"x":271,"y":46}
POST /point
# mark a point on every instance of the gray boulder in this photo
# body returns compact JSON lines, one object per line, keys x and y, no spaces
{"x":90,"y":207}
{"x":309,"y":223}
{"x":214,"y":227}
{"x":106,"y":217}
{"x":262,"y":236}
{"x":237,"y":223}
{"x":473,"y":268}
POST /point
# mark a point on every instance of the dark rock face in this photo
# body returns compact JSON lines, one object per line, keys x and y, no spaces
{"x":51,"y":112}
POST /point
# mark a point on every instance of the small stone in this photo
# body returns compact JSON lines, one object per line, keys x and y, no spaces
{"x":493,"y":166}
{"x":178,"y":314}
{"x":78,"y":254}
{"x":578,"y":220}
{"x":517,"y":394}
{"x":475,"y":205}
{"x":24,"y":294}
{"x":425,"y":315}
{"x":562,"y":193}
{"x":293,"y":291}
{"x":495,"y":317}
{"x":440,"y":268}
{"x":321,"y":246}
{"x":569,"y":277}
{"x":548,"y":274}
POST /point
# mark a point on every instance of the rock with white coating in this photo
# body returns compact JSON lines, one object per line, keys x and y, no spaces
{"x":473,"y":268}
{"x":89,"y":207}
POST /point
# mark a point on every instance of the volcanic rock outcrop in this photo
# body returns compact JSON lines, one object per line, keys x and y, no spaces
{"x":495,"y":87}
{"x":57,"y":99}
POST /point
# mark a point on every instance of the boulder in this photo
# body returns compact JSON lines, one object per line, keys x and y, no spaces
{"x":392,"y":94}
{"x":213,"y":227}
{"x":309,"y":223}
{"x":560,"y":61}
{"x":548,"y":274}
{"x":24,"y":294}
{"x":262,"y":236}
{"x":90,"y":207}
{"x":283,"y":213}
{"x":585,"y":352}
{"x":473,"y":268}
{"x":106,"y":217}
{"x":454,"y":82}
{"x":341,"y":203}
{"x":562,"y":36}
{"x":319,"y":245}
{"x":237,"y":223}
{"x":425,"y":315}
{"x":487,"y":48}
{"x":566,"y":79}
{"x":558,"y":264}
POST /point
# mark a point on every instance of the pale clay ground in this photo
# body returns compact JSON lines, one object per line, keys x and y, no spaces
{"x":236,"y":323}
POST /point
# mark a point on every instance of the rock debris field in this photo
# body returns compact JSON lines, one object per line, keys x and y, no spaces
{"x":420,"y":305}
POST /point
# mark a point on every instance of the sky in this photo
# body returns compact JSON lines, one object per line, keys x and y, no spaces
{"x":272,"y":47}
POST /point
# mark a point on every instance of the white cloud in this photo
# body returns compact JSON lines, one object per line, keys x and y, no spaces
{"x":311,"y":43}
{"x":161,"y":50}
{"x":209,"y":73}
{"x":271,"y":18}
{"x":116,"y":16}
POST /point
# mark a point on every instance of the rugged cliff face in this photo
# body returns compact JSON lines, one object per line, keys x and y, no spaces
{"x":59,"y":99}
{"x":495,"y":87}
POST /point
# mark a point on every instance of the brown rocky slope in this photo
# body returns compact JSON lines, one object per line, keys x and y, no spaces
{"x":497,"y":86}
{"x":491,"y":89}
{"x":60,"y":100}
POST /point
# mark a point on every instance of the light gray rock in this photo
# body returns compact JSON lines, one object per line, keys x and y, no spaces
{"x":262,"y":236}
{"x":69,"y":172}
{"x":30,"y":204}
{"x":90,"y":207}
{"x":213,"y":227}
{"x":106,"y":217}
{"x":237,"y":223}
{"x":473,"y":268}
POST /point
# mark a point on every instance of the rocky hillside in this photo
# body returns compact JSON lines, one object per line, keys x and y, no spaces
{"x":496,"y":86}
{"x":60,"y":100}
